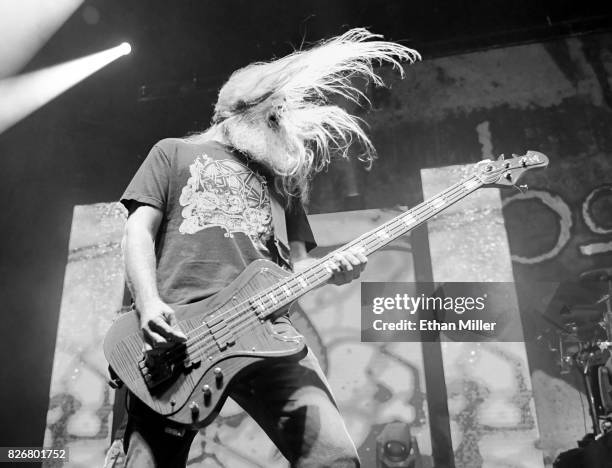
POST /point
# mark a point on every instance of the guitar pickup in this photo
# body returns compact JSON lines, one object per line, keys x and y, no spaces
{"x":225,"y":340}
{"x":221,"y":333}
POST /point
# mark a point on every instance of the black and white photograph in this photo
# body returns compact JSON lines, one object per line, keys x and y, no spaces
{"x":306,"y":234}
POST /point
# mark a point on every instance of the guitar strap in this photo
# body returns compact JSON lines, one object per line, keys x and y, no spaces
{"x":281,"y":240}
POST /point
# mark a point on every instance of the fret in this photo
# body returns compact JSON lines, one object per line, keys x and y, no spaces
{"x":366,"y":244}
{"x":273,"y":298}
{"x":437,"y":203}
{"x":408,"y":219}
{"x":256,"y":302}
{"x":471,"y":184}
{"x":383,"y":234}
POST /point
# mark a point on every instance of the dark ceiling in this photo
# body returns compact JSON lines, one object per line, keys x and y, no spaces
{"x":184,"y":50}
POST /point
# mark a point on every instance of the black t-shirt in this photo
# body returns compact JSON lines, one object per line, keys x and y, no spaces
{"x":217,"y":216}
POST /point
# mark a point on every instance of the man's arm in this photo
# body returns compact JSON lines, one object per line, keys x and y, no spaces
{"x":156,"y":317}
{"x":348,"y":265}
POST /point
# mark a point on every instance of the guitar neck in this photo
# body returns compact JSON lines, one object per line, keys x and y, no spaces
{"x":269,"y":301}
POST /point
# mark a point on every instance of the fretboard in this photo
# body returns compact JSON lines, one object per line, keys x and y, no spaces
{"x":283,"y":293}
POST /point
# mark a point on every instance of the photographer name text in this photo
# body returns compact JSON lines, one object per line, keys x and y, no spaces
{"x":433,"y":325}
{"x":411,"y":304}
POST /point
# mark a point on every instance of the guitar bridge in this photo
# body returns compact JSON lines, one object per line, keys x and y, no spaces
{"x":159,"y":368}
{"x":155,"y":373}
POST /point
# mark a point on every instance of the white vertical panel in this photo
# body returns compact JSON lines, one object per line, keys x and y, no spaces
{"x":493,"y":419}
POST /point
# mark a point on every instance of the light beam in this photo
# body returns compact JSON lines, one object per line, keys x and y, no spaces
{"x":26,"y":26}
{"x":21,"y":95}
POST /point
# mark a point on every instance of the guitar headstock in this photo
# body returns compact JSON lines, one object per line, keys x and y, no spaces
{"x":507,"y":171}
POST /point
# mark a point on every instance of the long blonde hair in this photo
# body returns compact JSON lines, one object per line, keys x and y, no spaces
{"x":281,"y":109}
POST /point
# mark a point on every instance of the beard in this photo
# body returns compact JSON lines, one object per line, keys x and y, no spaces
{"x":275,"y":148}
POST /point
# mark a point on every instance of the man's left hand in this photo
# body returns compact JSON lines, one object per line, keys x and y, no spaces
{"x":347,"y":266}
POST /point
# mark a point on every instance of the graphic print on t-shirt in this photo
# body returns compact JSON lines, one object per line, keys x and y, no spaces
{"x":227,"y":194}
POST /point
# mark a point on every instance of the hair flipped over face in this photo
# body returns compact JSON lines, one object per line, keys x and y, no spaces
{"x":280,"y":114}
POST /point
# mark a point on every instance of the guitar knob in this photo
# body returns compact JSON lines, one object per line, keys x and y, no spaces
{"x":195,"y":410}
{"x":207,"y":394}
{"x":218,"y":376}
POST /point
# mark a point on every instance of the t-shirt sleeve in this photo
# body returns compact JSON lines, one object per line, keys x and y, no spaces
{"x":298,"y":227}
{"x":150,"y":184}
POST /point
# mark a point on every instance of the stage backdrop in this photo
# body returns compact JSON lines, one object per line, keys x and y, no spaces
{"x":555,"y":97}
{"x":375,"y":384}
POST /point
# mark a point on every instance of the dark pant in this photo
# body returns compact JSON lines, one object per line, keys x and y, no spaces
{"x":290,"y":400}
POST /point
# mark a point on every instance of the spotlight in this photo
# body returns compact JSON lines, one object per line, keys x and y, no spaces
{"x":124,"y":48}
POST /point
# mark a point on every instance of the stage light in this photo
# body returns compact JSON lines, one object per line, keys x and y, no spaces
{"x":22,"y":95}
{"x":26,"y":26}
{"x":125,"y":48}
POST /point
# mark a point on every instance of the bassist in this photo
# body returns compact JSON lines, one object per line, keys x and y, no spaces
{"x":202,"y":208}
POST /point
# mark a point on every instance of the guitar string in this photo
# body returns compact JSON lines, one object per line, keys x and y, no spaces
{"x":452,"y":192}
{"x":392,"y":227}
{"x":195,"y":342}
{"x":200,"y":341}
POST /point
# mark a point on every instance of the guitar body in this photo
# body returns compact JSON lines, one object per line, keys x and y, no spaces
{"x":193,"y":390}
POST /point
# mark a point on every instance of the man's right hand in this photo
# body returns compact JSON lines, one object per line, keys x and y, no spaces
{"x":159,"y":326}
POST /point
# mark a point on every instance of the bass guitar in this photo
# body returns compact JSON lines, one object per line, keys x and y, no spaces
{"x":232,"y":330}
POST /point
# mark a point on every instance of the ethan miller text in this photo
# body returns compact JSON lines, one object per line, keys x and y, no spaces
{"x":434,"y":325}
